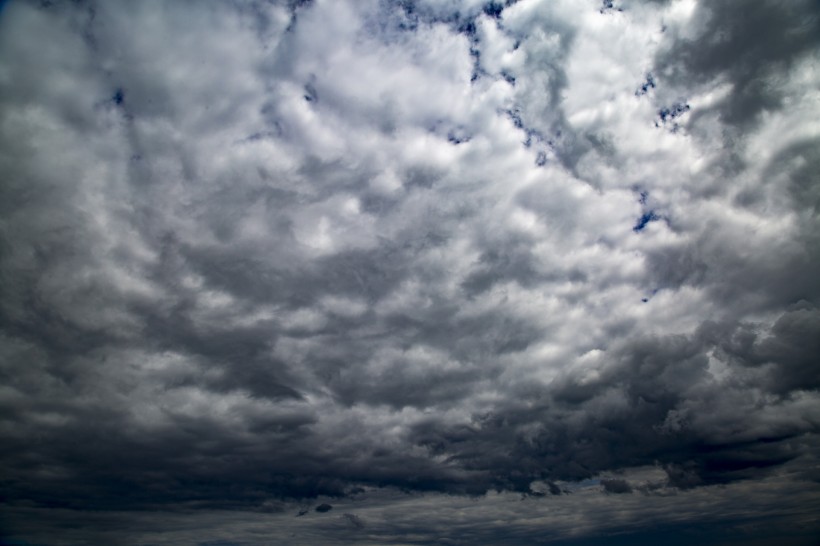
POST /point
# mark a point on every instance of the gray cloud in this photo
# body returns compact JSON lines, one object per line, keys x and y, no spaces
{"x":751,"y":46}
{"x":616,"y":486}
{"x":258,"y":254}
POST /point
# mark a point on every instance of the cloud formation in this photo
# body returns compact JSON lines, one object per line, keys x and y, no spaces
{"x":255,"y":253}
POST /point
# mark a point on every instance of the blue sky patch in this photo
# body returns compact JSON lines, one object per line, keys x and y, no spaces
{"x":644,"y":220}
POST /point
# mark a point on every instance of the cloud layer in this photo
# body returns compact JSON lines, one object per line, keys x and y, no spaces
{"x":260,"y":252}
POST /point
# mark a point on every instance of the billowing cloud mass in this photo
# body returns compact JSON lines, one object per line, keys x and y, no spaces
{"x":415,"y":259}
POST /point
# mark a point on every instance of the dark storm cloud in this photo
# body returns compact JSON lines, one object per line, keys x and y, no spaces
{"x":788,"y":352}
{"x":656,"y":403}
{"x":257,"y":253}
{"x":751,"y":46}
{"x":617,"y":486}
{"x":354,"y":520}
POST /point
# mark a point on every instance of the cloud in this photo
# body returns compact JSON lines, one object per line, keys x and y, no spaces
{"x":256,"y":254}
{"x":617,"y":486}
{"x":354,"y":520}
{"x":748,"y":47}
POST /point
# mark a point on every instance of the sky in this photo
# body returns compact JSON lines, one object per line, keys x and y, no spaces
{"x":409,"y":272}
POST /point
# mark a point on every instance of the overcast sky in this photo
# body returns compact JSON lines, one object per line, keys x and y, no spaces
{"x":451,"y":271}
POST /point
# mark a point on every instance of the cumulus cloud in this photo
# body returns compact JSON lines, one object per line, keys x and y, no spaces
{"x":260,"y":252}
